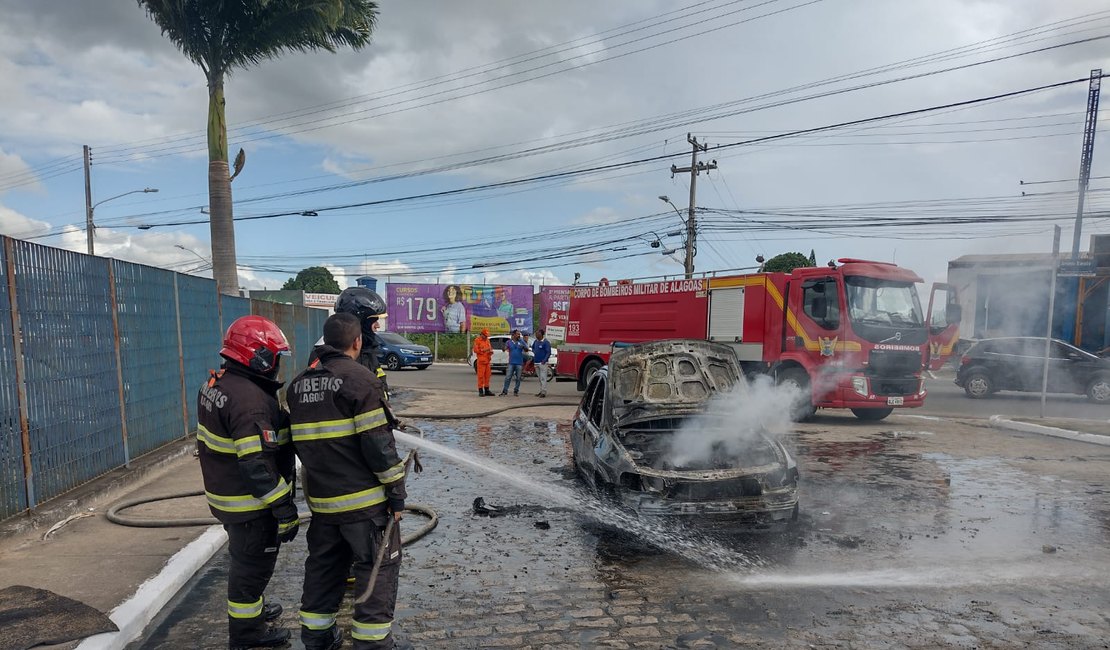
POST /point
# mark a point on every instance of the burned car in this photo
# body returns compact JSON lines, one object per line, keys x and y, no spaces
{"x":642,"y":416}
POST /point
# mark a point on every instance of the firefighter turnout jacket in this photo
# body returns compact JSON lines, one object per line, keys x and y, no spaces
{"x":244,"y":446}
{"x":342,"y":434}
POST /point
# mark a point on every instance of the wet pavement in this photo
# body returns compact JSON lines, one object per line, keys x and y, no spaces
{"x":913,"y":533}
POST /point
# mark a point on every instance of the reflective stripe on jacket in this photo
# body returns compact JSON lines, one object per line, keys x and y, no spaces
{"x":342,"y":434}
{"x":243,"y":442}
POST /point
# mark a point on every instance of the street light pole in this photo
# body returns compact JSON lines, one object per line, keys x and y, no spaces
{"x":90,"y":208}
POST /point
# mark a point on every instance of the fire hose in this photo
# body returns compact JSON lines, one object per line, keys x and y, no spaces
{"x":114,"y":513}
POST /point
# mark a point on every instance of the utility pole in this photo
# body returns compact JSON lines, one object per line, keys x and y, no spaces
{"x":1051,"y":311}
{"x":695,"y":168}
{"x":88,"y":201}
{"x":1086,"y":156}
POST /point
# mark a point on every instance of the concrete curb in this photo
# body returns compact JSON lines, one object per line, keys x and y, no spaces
{"x":999,"y":422}
{"x":134,"y":614}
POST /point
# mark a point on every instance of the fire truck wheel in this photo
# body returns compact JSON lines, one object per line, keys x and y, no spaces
{"x":872,"y":415}
{"x":799,"y":380}
{"x":588,"y":371}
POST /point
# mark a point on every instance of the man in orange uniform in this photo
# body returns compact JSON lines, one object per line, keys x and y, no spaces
{"x":483,"y":354}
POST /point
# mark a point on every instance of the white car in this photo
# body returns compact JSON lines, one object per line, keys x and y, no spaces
{"x":500,"y":360}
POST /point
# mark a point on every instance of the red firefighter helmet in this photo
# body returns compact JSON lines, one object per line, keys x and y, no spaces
{"x":255,"y":342}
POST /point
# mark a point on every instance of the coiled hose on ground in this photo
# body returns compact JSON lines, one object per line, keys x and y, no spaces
{"x":114,"y":513}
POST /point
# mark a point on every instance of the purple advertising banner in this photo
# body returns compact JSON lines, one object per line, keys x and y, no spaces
{"x":458,"y":308}
{"x":554,"y":308}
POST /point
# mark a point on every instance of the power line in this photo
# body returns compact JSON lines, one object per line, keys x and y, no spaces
{"x":998,"y":42}
{"x":641,"y":161}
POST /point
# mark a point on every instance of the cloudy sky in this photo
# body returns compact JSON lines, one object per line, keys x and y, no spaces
{"x":461,"y":95}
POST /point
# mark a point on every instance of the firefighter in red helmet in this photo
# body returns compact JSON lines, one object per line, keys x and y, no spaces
{"x":246,"y":459}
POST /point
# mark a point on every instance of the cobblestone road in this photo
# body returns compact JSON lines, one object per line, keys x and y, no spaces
{"x":914,"y":534}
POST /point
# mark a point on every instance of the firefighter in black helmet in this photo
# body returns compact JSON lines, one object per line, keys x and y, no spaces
{"x":368,"y":306}
{"x":246,"y":459}
{"x":341,"y":429}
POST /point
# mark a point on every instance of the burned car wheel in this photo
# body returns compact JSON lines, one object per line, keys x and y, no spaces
{"x":1098,"y":391}
{"x":978,"y":384}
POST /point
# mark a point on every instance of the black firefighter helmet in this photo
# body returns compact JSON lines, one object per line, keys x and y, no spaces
{"x":361,"y":302}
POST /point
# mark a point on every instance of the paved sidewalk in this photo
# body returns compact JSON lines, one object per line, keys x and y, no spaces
{"x":102,"y":564}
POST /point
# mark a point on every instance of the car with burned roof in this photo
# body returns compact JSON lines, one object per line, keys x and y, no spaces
{"x":1018,"y":363}
{"x":626,"y":445}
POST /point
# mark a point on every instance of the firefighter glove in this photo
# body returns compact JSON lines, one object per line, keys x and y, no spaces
{"x":288,"y":521}
{"x":396,"y":505}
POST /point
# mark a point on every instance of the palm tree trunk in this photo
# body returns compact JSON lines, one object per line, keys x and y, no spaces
{"x":219,"y":191}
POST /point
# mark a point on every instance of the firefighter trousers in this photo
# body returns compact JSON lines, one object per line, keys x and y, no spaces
{"x":332,"y":550}
{"x":253,"y":546}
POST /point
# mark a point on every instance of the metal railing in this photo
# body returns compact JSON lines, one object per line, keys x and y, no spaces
{"x":100,"y":362}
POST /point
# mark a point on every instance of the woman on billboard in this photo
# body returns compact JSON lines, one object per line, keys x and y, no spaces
{"x":454,"y":312}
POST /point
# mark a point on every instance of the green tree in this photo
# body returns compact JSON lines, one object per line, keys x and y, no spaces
{"x":222,"y":36}
{"x":314,"y":279}
{"x":785,"y":263}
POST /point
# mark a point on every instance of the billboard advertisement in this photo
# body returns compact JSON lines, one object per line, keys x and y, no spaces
{"x":459,"y":307}
{"x":554,"y":307}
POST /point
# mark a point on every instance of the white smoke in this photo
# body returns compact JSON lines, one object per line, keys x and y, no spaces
{"x":732,"y":421}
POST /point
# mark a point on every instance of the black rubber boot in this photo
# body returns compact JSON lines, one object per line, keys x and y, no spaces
{"x":489,"y":393}
{"x":481,"y":392}
{"x":272,"y":611}
{"x":273,"y":638}
{"x":335,"y":643}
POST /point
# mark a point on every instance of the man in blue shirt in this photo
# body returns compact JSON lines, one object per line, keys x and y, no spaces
{"x":515,"y":347}
{"x":541,"y":351}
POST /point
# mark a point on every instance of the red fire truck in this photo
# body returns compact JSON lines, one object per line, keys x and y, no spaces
{"x":851,"y":336}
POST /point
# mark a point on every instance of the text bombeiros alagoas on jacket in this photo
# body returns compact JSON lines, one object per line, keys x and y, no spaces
{"x":311,"y":390}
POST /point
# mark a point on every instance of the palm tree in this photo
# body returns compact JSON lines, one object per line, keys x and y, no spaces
{"x":222,"y":36}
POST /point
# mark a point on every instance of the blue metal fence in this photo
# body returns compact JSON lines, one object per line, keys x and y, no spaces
{"x":71,"y":379}
{"x":151,"y":369}
{"x":200,"y":336}
{"x":232,"y":308}
{"x":102,"y":360}
{"x":13,"y":489}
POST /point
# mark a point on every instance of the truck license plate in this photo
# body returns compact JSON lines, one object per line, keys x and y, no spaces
{"x":895,"y":401}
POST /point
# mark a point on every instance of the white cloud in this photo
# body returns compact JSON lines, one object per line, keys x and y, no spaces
{"x":599,"y":215}
{"x":74,"y":70}
{"x":17,"y":225}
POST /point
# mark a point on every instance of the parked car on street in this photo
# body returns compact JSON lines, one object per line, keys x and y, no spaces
{"x":1017,"y":363}
{"x":632,"y":409}
{"x":500,"y":360}
{"x":397,"y":352}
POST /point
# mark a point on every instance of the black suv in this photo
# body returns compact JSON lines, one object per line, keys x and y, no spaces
{"x":1017,"y":363}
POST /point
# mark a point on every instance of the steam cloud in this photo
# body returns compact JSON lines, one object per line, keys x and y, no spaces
{"x":733,"y":421}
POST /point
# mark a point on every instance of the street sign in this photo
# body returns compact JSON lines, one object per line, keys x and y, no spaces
{"x":1075,"y":268}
